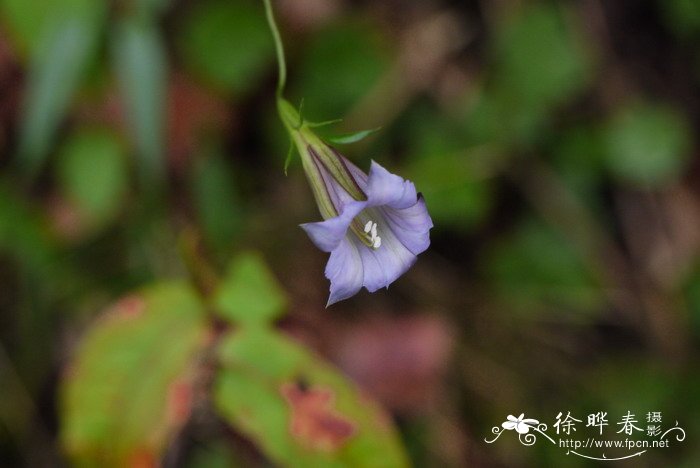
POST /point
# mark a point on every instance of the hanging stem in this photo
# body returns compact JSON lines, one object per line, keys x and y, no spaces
{"x":279,"y":47}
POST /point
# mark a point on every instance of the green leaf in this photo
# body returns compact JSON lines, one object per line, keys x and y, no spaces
{"x":249,"y":293}
{"x":298,"y":409}
{"x":325,"y":123}
{"x":92,"y":173}
{"x":540,"y":59}
{"x":227,"y":44}
{"x":648,"y":145}
{"x":58,"y":63}
{"x":141,"y":66}
{"x":352,"y":137}
{"x":129,"y":386}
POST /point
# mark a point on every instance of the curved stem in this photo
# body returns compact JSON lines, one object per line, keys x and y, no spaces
{"x":279,"y":48}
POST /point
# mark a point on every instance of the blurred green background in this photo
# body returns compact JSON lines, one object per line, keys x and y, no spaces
{"x":141,"y":164}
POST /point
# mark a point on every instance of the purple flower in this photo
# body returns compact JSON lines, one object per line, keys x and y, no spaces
{"x":373,"y":240}
{"x":374,"y":226}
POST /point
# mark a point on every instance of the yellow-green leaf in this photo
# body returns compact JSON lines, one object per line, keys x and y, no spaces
{"x":129,"y":385}
{"x":299,"y":410}
{"x":249,"y":293}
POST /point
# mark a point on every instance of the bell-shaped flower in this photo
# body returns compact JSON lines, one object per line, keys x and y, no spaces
{"x":374,"y":224}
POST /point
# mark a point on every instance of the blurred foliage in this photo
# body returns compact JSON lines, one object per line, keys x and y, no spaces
{"x":555,"y":144}
{"x":540,"y":62}
{"x":141,"y":66}
{"x":216,"y":198}
{"x":683,"y":16}
{"x":647,"y":145}
{"x":266,"y":377}
{"x":248,"y":294}
{"x":458,"y":188}
{"x":340,"y":64}
{"x":531,"y":281}
{"x":227,"y":44}
{"x":93,"y":174}
{"x":62,"y":54}
{"x":126,"y":393}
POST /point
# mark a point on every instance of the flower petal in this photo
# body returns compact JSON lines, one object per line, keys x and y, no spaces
{"x":328,"y":234}
{"x":385,"y":188}
{"x":512,"y":418}
{"x":411,"y":225}
{"x":357,"y":173}
{"x":509,"y":425}
{"x":345,"y":270}
{"x":394,"y":258}
{"x":374,"y":275}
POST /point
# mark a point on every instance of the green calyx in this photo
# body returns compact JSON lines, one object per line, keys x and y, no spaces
{"x":314,"y":152}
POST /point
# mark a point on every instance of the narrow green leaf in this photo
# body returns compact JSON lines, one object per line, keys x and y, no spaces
{"x":352,"y":137}
{"x":58,"y":63}
{"x":141,"y":66}
{"x":249,"y":293}
{"x":323,"y":124}
{"x":129,"y":386}
{"x":298,"y":409}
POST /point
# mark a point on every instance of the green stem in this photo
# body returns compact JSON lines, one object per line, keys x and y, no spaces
{"x":279,"y":47}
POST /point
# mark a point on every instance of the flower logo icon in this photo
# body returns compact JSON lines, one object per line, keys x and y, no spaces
{"x":521,"y":425}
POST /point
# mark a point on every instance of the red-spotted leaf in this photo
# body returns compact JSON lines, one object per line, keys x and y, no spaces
{"x":130,"y":384}
{"x":298,"y":409}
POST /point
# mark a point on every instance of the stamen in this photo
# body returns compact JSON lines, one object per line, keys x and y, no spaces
{"x":370,"y":236}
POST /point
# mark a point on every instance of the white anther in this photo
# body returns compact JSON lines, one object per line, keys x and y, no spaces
{"x":374,"y":230}
{"x":368,"y":226}
{"x":377,"y":242}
